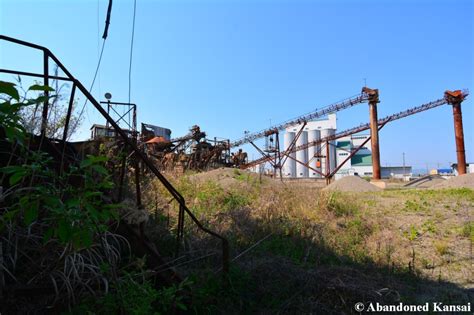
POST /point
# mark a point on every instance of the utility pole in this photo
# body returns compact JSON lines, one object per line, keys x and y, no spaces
{"x":404,"y":166}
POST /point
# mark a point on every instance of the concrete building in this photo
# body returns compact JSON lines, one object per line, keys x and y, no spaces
{"x":360,"y":163}
{"x":312,"y":156}
{"x":315,"y":156}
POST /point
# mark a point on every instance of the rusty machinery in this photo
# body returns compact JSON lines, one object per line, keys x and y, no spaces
{"x":453,"y":98}
{"x":192,"y":151}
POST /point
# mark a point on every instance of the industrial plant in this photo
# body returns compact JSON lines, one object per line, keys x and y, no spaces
{"x":139,"y":209}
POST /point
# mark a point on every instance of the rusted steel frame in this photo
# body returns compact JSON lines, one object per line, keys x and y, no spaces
{"x":66,"y":124}
{"x":35,"y":75}
{"x":311,"y":168}
{"x":328,"y":163}
{"x":122,"y":176}
{"x":360,"y":98}
{"x":278,"y":155}
{"x":44,"y":119}
{"x":180,"y":230}
{"x":117,"y":103}
{"x":179,"y":198}
{"x":293,"y":143}
{"x":459,"y":137}
{"x":134,"y":122}
{"x":374,"y":134}
{"x":352,"y":153}
{"x":263,"y":153}
{"x":362,"y":127}
{"x":121,"y":117}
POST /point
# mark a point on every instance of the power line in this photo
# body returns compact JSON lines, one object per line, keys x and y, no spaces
{"x":104,"y":36}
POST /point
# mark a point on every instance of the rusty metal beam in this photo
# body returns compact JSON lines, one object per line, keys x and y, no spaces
{"x":374,"y":134}
{"x":455,"y":98}
{"x":353,"y":153}
{"x":293,"y":143}
{"x":44,"y":120}
{"x":363,"y":127}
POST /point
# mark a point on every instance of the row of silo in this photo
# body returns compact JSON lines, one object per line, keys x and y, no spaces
{"x":293,"y":169}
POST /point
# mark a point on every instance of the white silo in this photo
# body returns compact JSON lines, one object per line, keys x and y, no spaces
{"x":314,"y":135}
{"x":289,"y":168}
{"x":332,"y":150}
{"x":302,"y":156}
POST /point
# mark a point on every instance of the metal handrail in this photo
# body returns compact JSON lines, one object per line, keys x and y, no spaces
{"x":128,"y":141}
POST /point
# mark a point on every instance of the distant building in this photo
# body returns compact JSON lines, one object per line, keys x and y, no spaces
{"x":101,"y":131}
{"x":360,"y":163}
{"x":442,"y":172}
{"x":469,"y":168}
{"x":313,"y":156}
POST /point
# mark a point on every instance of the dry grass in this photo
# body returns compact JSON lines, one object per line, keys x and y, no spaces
{"x":299,"y":249}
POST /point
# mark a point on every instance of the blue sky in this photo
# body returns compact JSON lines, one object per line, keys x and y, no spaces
{"x":231,"y":66}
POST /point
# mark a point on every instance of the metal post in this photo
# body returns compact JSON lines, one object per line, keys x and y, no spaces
{"x":374,"y":133}
{"x":328,"y":166}
{"x":459,"y":135}
{"x":455,"y":98}
{"x":44,"y":121}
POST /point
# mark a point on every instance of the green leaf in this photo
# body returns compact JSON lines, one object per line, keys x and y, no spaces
{"x":31,"y":213}
{"x":11,"y":169}
{"x":9,"y":89}
{"x":38,"y":87}
{"x":83,"y":238}
{"x":16,"y":177}
{"x":64,"y":231}
{"x":100,"y":169}
{"x":47,"y":236}
{"x":87,"y":162}
{"x":9,"y":215}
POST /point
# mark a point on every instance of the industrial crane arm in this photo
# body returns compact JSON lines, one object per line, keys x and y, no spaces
{"x":363,"y":127}
{"x":361,"y":98}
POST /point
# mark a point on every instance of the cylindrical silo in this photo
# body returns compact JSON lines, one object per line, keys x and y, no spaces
{"x":313,"y":135}
{"x":332,"y":150}
{"x":302,"y":156}
{"x":289,"y":168}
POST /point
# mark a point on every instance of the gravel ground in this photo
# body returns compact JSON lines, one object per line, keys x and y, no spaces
{"x":466,"y":180}
{"x":352,"y":184}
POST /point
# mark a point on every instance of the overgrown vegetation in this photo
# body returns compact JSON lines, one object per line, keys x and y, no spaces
{"x":58,"y":251}
{"x":300,"y":250}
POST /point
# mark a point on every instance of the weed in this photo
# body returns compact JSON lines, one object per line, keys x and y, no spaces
{"x":429,"y":226}
{"x":467,"y":230}
{"x":441,"y":247}
{"x":412,"y":233}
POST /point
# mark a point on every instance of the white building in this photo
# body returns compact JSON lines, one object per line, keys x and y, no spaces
{"x":360,"y":163}
{"x":313,"y":156}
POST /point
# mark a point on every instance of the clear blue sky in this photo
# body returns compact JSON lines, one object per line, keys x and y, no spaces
{"x":231,"y":66}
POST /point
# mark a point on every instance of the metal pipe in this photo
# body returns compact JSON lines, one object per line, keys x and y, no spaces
{"x":44,"y":121}
{"x":459,"y":135}
{"x":35,"y":75}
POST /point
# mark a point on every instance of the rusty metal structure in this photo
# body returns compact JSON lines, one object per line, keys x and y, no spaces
{"x":272,"y":153}
{"x":192,"y":151}
{"x":454,"y":98}
{"x":142,"y":160}
{"x":374,"y":131}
